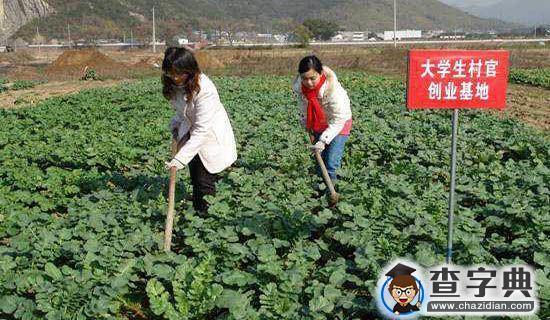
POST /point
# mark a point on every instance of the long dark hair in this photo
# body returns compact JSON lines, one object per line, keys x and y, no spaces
{"x":182,"y":60}
{"x":310,"y":62}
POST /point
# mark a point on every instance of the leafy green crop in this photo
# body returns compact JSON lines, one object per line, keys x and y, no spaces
{"x":90,"y":74}
{"x":3,"y":82}
{"x":83,"y":189}
{"x":535,"y":77}
{"x":23,"y":84}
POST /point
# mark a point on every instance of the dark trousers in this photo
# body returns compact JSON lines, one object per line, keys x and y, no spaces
{"x":204,"y":183}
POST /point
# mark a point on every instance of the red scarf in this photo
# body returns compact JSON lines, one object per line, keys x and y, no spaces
{"x":316,"y":120}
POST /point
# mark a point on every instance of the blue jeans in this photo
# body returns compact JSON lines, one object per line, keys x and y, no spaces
{"x":332,"y":155}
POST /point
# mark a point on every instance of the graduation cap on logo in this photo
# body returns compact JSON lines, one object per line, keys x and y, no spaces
{"x":400,"y":270}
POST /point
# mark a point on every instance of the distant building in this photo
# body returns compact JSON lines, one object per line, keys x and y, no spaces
{"x":452,"y":36}
{"x":350,"y":36}
{"x":337,"y":38}
{"x":433,"y":33}
{"x":402,"y":34}
{"x":263,"y":38}
{"x":280,"y":37}
{"x":358,"y":36}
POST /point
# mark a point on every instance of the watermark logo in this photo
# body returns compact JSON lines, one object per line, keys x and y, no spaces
{"x":405,"y":289}
{"x":401,"y":290}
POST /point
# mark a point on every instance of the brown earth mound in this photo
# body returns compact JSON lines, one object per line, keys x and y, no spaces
{"x":74,"y":63}
{"x":148,"y":62}
{"x":207,"y":61}
{"x":11,"y":58}
{"x":24,"y":73}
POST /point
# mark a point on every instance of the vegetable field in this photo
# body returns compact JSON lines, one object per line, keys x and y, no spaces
{"x":534,"y":77}
{"x":83,"y":203}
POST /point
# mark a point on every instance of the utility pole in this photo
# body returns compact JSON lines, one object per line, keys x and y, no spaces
{"x":69,"y":33}
{"x":395,"y":23}
{"x":131,"y":39}
{"x":4,"y":32}
{"x":38,"y":39}
{"x":154,"y":33}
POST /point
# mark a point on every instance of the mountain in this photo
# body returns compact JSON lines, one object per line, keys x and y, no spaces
{"x":526,"y":12}
{"x":112,"y":18}
{"x":16,"y":13}
{"x":412,"y":14}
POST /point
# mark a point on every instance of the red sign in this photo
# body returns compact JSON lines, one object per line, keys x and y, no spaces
{"x":457,"y":79}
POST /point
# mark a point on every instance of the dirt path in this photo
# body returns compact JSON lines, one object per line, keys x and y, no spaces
{"x":20,"y":98}
{"x":529,"y":104}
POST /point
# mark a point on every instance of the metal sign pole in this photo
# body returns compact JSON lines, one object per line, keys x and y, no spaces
{"x":452,"y":190}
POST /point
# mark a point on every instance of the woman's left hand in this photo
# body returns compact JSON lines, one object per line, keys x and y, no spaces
{"x":318,"y":147}
{"x":174,"y":163}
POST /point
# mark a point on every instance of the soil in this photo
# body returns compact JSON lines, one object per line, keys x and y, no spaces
{"x":74,"y":63}
{"x":13,"y":58}
{"x":530,"y":104}
{"x":20,"y":98}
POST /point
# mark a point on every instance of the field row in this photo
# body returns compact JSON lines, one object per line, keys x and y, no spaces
{"x":83,"y":189}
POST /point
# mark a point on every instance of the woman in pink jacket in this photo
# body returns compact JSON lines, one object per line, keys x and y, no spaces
{"x":201,"y":125}
{"x":326,"y":110}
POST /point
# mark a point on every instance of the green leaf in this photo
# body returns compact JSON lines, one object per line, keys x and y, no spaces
{"x":52,"y":271}
{"x":238,"y":278}
{"x":8,"y":304}
{"x":321,"y":304}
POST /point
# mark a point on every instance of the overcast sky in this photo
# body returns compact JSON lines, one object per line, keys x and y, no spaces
{"x":469,"y":2}
{"x":529,"y":12}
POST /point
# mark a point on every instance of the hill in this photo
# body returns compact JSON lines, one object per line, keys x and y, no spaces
{"x":113,"y":19}
{"x":532,"y":12}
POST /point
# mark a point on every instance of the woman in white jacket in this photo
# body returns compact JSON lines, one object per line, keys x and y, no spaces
{"x":201,"y":125}
{"x":326,"y":111}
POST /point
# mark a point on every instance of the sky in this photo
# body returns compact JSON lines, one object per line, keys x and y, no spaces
{"x":462,"y":3}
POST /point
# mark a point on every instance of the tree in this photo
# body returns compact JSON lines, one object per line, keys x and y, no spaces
{"x":231,"y":28}
{"x":225,"y":29}
{"x":302,"y":34}
{"x":283,"y":25}
{"x":321,"y":29}
{"x":171,"y":30}
{"x":542,"y":31}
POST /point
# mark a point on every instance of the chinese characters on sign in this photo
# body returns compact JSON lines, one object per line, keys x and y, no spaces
{"x":481,"y":290}
{"x":406,"y":289}
{"x":445,"y":282}
{"x":457,"y":79}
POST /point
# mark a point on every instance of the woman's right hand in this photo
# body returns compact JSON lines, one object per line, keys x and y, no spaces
{"x":175,"y":134}
{"x":174,"y":127}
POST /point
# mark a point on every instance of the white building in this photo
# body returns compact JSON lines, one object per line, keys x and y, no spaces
{"x":358,"y":36}
{"x":433,"y":33}
{"x":452,"y":36}
{"x":338,"y":38}
{"x":268,"y":36}
{"x":350,"y":36}
{"x":403,"y":34}
{"x":280,"y":37}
